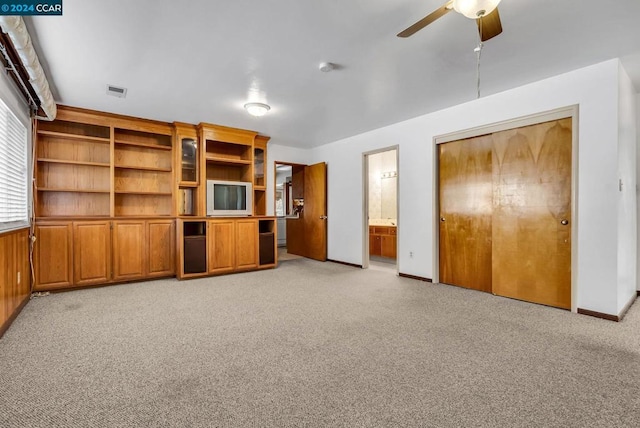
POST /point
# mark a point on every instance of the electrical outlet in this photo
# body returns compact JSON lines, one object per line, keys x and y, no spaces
{"x":410,"y":254}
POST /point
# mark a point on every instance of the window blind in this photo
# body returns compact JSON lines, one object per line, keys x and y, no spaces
{"x":13,"y":171}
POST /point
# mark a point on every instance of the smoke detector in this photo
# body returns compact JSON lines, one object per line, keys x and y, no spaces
{"x":326,"y":67}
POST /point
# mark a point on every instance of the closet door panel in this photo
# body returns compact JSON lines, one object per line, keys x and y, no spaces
{"x":465,"y":201}
{"x":531,"y":239}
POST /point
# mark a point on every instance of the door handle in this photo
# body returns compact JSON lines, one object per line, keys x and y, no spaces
{"x":323,"y":217}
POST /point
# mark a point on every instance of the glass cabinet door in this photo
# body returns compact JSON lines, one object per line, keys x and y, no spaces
{"x":189,"y":160}
{"x":258,"y":167}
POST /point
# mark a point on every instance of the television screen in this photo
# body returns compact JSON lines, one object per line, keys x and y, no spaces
{"x":229,"y":197}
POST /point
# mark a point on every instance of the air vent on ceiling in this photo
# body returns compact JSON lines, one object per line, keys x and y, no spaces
{"x":116,"y":91}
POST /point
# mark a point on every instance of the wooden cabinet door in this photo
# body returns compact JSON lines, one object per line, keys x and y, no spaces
{"x":129,"y":249}
{"x":161,"y":244}
{"x":221,"y":246}
{"x":246,"y":244}
{"x":388,"y":246}
{"x":375,"y":245}
{"x":53,"y":262}
{"x":91,"y":252}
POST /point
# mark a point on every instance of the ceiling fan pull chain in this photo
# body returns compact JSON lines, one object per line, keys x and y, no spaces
{"x":478,"y":51}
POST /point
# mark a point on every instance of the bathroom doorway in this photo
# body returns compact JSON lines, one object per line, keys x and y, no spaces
{"x":381,"y":191}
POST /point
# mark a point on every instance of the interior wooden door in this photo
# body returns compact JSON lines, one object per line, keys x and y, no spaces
{"x":465,"y":201}
{"x":315,"y":211}
{"x":531,"y":252}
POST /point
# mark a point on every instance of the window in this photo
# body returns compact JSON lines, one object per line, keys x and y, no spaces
{"x":13,"y":171}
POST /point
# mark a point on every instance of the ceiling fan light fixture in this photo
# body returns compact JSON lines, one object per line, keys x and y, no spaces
{"x":475,"y":9}
{"x":257,"y":109}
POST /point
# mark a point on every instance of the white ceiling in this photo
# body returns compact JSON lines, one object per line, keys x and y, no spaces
{"x":201,"y":60}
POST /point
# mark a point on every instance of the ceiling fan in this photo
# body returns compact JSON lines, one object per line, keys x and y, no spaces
{"x":485,"y":12}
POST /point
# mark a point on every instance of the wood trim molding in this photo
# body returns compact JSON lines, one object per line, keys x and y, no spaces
{"x":95,"y":117}
{"x":419,"y":278}
{"x":607,"y":317}
{"x":517,"y":122}
{"x":616,"y":318}
{"x":12,"y":231}
{"x":345,"y":263}
{"x":4,"y":327}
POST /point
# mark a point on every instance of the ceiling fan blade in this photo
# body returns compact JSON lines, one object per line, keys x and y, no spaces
{"x":490,"y":25}
{"x":443,"y":10}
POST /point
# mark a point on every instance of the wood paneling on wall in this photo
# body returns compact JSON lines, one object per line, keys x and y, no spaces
{"x":15,"y":275}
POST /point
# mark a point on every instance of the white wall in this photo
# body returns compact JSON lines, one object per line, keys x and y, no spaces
{"x":595,"y":89}
{"x":638,"y":188}
{"x":627,"y":199}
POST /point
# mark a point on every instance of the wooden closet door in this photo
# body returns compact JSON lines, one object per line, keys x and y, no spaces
{"x":531,"y":252}
{"x":465,"y":200}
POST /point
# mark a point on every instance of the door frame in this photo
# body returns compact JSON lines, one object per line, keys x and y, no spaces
{"x":365,"y":204}
{"x":533,"y":119}
{"x":275,"y":173}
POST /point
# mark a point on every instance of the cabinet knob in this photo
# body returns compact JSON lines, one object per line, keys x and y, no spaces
{"x":564,"y":222}
{"x":442,"y":219}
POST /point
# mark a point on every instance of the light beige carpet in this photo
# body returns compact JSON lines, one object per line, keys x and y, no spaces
{"x":313,"y":344}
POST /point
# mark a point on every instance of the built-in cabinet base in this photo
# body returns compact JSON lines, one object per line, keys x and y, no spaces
{"x":231,"y":244}
{"x":71,"y":254}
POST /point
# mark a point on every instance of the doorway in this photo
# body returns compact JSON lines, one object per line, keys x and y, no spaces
{"x":381,"y":191}
{"x":301,"y":210}
{"x":283,"y":206}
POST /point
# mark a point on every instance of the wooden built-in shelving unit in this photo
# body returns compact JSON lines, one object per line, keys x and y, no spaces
{"x":121,"y":199}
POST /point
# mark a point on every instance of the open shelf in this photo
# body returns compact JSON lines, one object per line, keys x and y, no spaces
{"x":137,"y":192}
{"x":259,"y":202}
{"x":227,"y":161}
{"x":266,"y":243}
{"x":65,"y":135}
{"x":75,"y":130}
{"x":147,"y":145}
{"x":51,"y":189}
{"x":72,"y":203}
{"x":74,"y":162}
{"x":229,"y":151}
{"x":142,"y":204}
{"x":142,"y":139}
{"x":143,"y":168}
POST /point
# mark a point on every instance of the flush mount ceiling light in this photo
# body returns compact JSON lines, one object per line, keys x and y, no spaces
{"x":475,"y":8}
{"x":257,"y":109}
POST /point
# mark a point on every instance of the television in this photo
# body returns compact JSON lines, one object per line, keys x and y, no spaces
{"x":229,"y":198}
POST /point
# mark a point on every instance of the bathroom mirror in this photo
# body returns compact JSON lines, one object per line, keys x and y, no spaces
{"x":388,"y":196}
